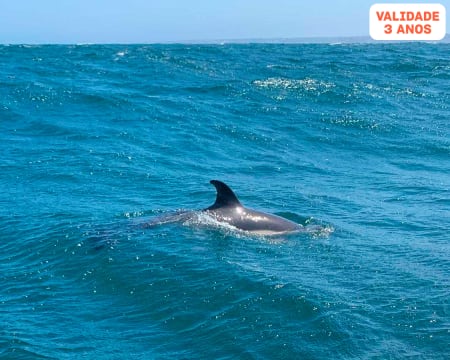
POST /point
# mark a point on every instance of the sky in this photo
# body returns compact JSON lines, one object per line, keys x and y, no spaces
{"x":151,"y":21}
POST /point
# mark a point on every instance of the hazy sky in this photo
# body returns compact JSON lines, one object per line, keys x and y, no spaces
{"x":143,"y":21}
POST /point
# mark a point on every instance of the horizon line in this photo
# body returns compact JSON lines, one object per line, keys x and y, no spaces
{"x":281,"y":40}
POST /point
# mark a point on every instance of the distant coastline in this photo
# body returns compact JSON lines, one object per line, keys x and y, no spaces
{"x":299,"y":40}
{"x":294,"y":40}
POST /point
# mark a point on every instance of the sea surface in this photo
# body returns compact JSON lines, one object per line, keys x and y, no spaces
{"x":98,"y":141}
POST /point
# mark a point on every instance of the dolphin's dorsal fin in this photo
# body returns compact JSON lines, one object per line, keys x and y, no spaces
{"x":225,"y":196}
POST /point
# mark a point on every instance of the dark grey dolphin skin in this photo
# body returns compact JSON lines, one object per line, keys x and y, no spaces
{"x":228,"y":209}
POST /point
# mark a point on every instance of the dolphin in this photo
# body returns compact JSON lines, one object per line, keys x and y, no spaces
{"x":228,"y":209}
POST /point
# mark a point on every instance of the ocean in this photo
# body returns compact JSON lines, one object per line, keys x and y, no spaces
{"x":96,"y":141}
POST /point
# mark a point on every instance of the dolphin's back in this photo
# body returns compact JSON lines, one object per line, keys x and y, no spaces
{"x":254,"y":221}
{"x":228,"y":209}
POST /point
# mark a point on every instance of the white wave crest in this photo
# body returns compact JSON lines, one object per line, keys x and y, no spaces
{"x":307,"y":84}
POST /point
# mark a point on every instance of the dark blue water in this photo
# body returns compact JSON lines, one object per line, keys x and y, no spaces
{"x":97,"y":140}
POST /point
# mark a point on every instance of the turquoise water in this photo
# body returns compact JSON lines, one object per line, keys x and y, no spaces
{"x":96,"y":141}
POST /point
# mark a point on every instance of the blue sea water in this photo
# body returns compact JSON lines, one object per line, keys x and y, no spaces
{"x":97,"y":140}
